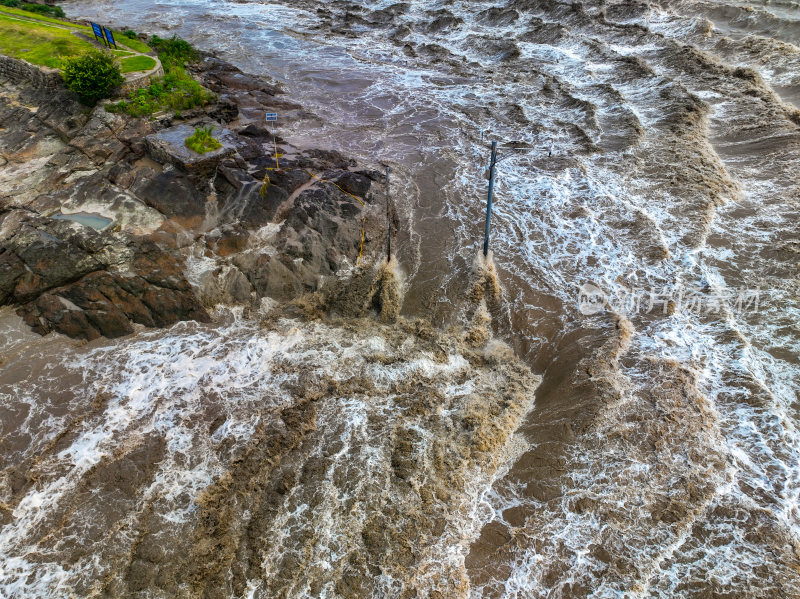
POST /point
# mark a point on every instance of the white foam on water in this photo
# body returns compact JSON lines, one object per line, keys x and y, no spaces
{"x":557,"y":228}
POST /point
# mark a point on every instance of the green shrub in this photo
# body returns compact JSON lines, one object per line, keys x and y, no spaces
{"x":42,"y":9}
{"x":173,"y":51}
{"x":201,"y":141}
{"x":176,"y":91}
{"x":130,"y":34}
{"x":11,"y":3}
{"x":92,"y":75}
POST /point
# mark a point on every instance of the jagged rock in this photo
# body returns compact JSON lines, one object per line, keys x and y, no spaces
{"x":236,"y":177}
{"x":220,"y":77}
{"x":169,"y":146}
{"x":444,"y":20}
{"x":52,"y":252}
{"x":321,"y":232}
{"x":270,"y":275}
{"x":290,"y":180}
{"x":258,"y":132}
{"x":228,"y":239}
{"x":244,"y":198}
{"x":275,"y":233}
{"x":499,"y":16}
{"x":225,"y":110}
{"x":172,"y":193}
{"x":330,"y":158}
{"x":11,"y":270}
{"x":248,"y":149}
{"x":100,"y":148}
{"x":121,"y":176}
{"x":354,"y":183}
{"x":83,"y":283}
{"x":224,"y":284}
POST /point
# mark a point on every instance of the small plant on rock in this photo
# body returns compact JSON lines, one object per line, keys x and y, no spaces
{"x":201,"y":141}
{"x":92,"y":75}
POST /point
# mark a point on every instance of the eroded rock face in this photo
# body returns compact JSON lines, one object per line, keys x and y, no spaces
{"x":172,"y":193}
{"x":247,"y":224}
{"x":83,"y":283}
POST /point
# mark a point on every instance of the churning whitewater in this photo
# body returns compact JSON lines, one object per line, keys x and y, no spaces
{"x":609,"y":408}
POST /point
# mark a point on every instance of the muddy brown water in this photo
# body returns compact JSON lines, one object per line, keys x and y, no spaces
{"x":659,"y":454}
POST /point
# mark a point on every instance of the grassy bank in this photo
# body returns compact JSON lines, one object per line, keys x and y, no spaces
{"x":176,"y":91}
{"x":38,"y":43}
{"x":45,"y":41}
{"x":137,"y":63}
{"x":37,"y":9}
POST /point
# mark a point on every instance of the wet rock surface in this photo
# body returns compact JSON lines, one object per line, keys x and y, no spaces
{"x":68,"y":278}
{"x":168,"y":146}
{"x":233,"y":225}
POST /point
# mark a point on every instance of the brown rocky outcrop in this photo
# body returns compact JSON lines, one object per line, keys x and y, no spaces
{"x":83,"y":283}
{"x":262,"y":229}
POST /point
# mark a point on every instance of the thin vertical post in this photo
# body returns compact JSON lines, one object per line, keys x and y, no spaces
{"x":275,"y":144}
{"x":489,"y":201}
{"x":388,"y":221}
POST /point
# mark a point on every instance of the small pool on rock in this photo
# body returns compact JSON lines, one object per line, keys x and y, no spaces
{"x":95,"y":221}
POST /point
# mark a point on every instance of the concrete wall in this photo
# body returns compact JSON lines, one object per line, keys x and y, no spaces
{"x":20,"y":71}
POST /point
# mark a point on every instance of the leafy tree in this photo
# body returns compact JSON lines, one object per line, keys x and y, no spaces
{"x":92,"y":75}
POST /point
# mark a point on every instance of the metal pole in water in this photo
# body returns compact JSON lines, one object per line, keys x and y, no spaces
{"x":388,"y":221}
{"x":489,"y":201}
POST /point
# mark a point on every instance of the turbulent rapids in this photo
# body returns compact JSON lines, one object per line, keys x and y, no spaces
{"x":608,"y":407}
{"x":346,"y":458}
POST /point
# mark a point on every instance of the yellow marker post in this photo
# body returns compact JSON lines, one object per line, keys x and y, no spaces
{"x":361,"y":248}
{"x":271,"y":117}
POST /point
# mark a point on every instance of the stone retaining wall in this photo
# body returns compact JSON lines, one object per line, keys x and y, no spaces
{"x":140,"y":82}
{"x":20,"y":71}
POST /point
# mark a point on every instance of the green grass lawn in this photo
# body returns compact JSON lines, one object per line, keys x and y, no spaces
{"x":38,"y":43}
{"x":122,"y":41}
{"x":43,"y":18}
{"x":137,"y":63}
{"x":133,"y":44}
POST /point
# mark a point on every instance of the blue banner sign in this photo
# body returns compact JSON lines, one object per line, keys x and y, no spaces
{"x":272,"y":116}
{"x":98,"y":32}
{"x":110,"y":37}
